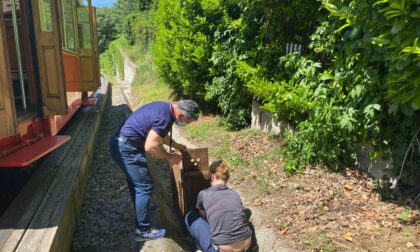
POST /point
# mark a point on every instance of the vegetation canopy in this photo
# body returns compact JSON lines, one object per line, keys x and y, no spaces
{"x":343,"y":72}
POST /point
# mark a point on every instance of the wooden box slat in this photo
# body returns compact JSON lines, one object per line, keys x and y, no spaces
{"x":195,"y":159}
{"x":191,"y":178}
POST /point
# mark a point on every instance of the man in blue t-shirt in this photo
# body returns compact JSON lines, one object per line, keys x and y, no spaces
{"x":144,"y":132}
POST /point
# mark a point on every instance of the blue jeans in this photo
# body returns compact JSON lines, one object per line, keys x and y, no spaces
{"x":140,"y":184}
{"x":200,"y":231}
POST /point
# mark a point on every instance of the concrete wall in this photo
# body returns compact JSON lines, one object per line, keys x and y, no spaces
{"x":129,"y":69}
{"x":376,"y":168}
{"x":263,"y":120}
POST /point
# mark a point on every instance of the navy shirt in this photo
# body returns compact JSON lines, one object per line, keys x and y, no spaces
{"x":156,"y":115}
{"x":225,"y":214}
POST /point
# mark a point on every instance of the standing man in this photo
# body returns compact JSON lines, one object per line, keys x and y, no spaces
{"x":144,"y":132}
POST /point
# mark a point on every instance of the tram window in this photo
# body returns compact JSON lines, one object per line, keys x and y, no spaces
{"x":20,"y":61}
{"x":83,"y":24}
{"x":45,"y":15}
{"x":69,"y":41}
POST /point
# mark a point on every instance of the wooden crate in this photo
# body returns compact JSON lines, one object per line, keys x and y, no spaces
{"x":191,"y":177}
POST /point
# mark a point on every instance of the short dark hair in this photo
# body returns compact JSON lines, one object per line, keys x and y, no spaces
{"x":190,"y":107}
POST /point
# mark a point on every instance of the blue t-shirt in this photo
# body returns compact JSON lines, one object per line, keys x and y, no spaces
{"x":156,"y":115}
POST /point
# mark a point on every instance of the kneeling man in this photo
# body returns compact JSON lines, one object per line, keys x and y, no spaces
{"x":220,"y":224}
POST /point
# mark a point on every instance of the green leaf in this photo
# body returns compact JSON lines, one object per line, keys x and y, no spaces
{"x":373,"y":155}
{"x":392,"y":13}
{"x":376,"y":107}
{"x":411,"y":49}
{"x":397,"y":26}
{"x":354,"y":32}
{"x":415,"y":103}
{"x":380,"y":2}
{"x":343,"y":27}
{"x":403,"y":216}
{"x":326,"y":76}
{"x":415,"y":14}
{"x":393,"y":109}
{"x":332,"y":9}
{"x":396,"y":5}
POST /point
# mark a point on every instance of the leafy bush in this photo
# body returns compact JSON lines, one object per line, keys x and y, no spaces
{"x":195,"y":54}
{"x":365,"y":90}
{"x":355,"y":80}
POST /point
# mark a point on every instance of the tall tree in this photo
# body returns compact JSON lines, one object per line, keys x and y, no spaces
{"x":107,"y":27}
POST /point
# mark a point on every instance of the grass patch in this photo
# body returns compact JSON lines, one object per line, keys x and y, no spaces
{"x":250,"y":133}
{"x":147,"y":93}
{"x":146,"y":87}
{"x":318,"y":242}
{"x":211,"y":133}
{"x":205,"y":130}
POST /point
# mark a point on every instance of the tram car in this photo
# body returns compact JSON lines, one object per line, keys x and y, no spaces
{"x":49,"y":66}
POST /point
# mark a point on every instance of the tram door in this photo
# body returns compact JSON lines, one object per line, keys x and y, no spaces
{"x":7,"y":111}
{"x":50,"y":61}
{"x":88,"y":62}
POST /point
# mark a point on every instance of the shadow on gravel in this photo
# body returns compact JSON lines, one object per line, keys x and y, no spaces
{"x":106,"y":221}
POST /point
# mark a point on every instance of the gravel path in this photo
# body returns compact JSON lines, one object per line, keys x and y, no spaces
{"x":106,"y":219}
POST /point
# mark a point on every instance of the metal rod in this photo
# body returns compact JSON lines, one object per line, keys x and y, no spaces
{"x":170,"y":141}
{"x":19,"y":59}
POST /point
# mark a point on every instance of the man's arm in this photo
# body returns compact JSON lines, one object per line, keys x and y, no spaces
{"x":200,"y":205}
{"x":202,"y":214}
{"x":166,"y":140}
{"x":153,"y":146}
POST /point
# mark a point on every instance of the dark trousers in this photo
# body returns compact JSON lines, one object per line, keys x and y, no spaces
{"x":200,"y":231}
{"x":140,"y":184}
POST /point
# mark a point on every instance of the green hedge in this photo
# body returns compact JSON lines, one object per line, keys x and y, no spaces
{"x":358,"y":80}
{"x":359,"y":83}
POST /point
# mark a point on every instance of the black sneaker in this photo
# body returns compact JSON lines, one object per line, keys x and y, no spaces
{"x":150,"y":234}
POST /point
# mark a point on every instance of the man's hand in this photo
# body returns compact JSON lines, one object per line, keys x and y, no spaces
{"x":175,"y":159}
{"x":180,"y":147}
{"x":166,"y":140}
